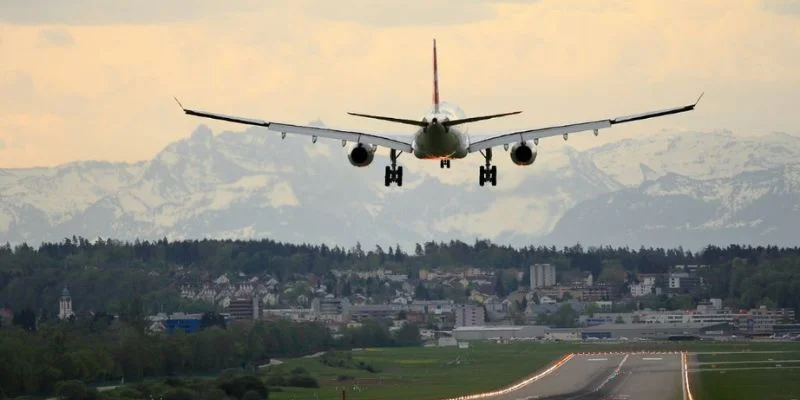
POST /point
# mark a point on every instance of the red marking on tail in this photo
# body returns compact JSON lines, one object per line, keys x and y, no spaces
{"x":435,"y":81}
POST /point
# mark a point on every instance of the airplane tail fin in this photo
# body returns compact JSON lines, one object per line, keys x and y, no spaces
{"x":435,"y":80}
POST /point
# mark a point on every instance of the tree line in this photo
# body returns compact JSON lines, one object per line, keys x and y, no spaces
{"x":113,"y":350}
{"x":104,"y":274}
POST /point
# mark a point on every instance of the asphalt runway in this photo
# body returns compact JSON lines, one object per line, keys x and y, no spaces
{"x":608,"y":376}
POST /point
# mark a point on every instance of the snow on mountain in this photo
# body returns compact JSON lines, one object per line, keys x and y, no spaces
{"x":754,"y":207}
{"x":252,"y":184}
{"x":697,"y":155}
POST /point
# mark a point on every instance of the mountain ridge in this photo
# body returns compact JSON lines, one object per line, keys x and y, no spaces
{"x":250,"y":185}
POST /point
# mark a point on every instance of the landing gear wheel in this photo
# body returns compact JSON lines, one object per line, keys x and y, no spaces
{"x":488,"y":173}
{"x":393,"y":173}
{"x":444,"y":163}
{"x":399,"y":176}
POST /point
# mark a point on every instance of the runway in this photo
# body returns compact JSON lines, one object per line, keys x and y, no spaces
{"x":628,"y":376}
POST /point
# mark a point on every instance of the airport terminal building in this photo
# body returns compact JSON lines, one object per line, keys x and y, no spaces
{"x":606,"y":331}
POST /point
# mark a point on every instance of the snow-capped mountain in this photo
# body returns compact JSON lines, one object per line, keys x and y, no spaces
{"x":253,"y":185}
{"x":755,"y":207}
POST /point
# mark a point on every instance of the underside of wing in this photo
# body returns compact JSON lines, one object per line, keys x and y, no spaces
{"x":535,"y":134}
{"x":314,"y":132}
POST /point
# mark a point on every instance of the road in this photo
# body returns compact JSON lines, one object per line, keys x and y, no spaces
{"x":630,"y":376}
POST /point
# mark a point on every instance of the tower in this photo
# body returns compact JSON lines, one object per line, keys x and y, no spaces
{"x":65,"y":305}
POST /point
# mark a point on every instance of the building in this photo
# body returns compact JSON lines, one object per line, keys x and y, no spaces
{"x":542,"y":275}
{"x":65,"y":305}
{"x":479,"y":333}
{"x":385,"y":311}
{"x":332,"y":308}
{"x":244,"y":308}
{"x":641,"y":289}
{"x":188,"y":323}
{"x":435,"y":307}
{"x":469,"y":315}
{"x":684,"y":282}
{"x":294,"y":314}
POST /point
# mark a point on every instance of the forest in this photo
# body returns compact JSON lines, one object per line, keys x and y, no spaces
{"x":105,"y":274}
{"x":42,"y":359}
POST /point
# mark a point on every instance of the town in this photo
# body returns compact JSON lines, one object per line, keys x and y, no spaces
{"x":487,"y":304}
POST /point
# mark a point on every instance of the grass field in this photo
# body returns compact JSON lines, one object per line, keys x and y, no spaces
{"x":749,"y":374}
{"x":436,"y":373}
{"x":443,"y":372}
{"x":424,"y":373}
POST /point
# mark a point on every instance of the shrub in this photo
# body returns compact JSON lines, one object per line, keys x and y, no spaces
{"x":238,"y":386}
{"x":71,"y":390}
{"x":251,"y":395}
{"x":178,"y":394}
{"x":303,"y":381}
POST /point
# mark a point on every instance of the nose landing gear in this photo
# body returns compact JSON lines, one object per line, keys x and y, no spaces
{"x":444,"y":163}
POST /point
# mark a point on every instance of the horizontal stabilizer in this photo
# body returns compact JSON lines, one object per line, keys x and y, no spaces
{"x":476,"y":119}
{"x":391,"y":119}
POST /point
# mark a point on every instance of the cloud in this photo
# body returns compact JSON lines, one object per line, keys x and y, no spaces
{"x":56,"y":37}
{"x":790,"y":7}
{"x":395,"y":13}
{"x":101,"y":12}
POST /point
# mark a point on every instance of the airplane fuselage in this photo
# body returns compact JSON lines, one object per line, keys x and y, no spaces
{"x":436,"y":141}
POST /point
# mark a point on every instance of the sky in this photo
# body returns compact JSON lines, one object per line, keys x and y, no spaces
{"x":95,"y":80}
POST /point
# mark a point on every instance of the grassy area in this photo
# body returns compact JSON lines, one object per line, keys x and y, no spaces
{"x":425,"y":373}
{"x":436,"y":373}
{"x":749,"y":384}
{"x":753,"y":383}
{"x":790,"y":355}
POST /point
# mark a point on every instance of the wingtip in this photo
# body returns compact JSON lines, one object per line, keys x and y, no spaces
{"x":179,"y":103}
{"x":700,"y":97}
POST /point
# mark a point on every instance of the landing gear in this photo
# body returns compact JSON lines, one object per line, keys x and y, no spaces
{"x":444,"y":163}
{"x":393,"y":172}
{"x":488,"y":173}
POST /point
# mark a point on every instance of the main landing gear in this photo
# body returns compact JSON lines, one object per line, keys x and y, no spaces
{"x":488,"y":173}
{"x":393,"y":172}
{"x":444,"y":163}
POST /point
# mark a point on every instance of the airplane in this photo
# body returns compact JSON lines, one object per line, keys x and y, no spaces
{"x":439,"y":136}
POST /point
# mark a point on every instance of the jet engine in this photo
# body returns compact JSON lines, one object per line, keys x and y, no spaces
{"x":523,"y":153}
{"x":361,"y":155}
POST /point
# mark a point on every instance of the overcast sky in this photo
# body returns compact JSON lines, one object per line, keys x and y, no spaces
{"x":82,"y":79}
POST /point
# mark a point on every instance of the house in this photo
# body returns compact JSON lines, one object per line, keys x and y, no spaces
{"x":547,"y":300}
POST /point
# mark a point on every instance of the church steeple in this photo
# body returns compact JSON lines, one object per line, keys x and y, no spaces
{"x":65,"y":305}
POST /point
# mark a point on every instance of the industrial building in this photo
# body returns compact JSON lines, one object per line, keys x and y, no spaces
{"x":605,"y":331}
{"x":542,"y":275}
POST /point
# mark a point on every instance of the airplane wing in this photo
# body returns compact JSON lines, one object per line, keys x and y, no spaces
{"x":346,"y":136}
{"x":535,"y":134}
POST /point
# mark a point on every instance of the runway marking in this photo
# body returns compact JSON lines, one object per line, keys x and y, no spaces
{"x":597,"y":359}
{"x":615,"y":373}
{"x":687,"y":390}
{"x":519,"y":385}
{"x":652,"y":358}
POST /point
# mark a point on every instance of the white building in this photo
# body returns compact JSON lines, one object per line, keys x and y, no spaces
{"x":469,"y":315}
{"x":543,"y":275}
{"x":65,"y":305}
